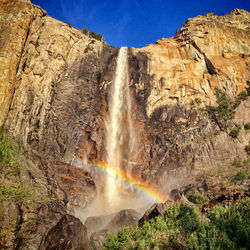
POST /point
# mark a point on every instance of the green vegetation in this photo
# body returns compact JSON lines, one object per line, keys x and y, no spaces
{"x":196,"y":102}
{"x":243,"y":173}
{"x":247,"y":126}
{"x":88,"y":48}
{"x":241,"y":176}
{"x":197,"y":198}
{"x":37,"y":44}
{"x":92,"y":34}
{"x":247,"y":148}
{"x":85,"y":31}
{"x":234,"y":132}
{"x":234,"y":221}
{"x":69,"y":24}
{"x":224,"y":112}
{"x":96,"y":36}
{"x":238,"y":163}
{"x":183,"y":227}
{"x":11,"y":167}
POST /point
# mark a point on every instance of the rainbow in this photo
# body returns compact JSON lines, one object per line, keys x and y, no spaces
{"x":143,"y":187}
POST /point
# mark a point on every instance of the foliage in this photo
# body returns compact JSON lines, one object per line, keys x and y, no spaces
{"x":18,"y":193}
{"x":241,"y":176}
{"x":85,"y":31}
{"x":88,"y":48}
{"x":247,"y":126}
{"x":11,"y":186}
{"x":182,"y":227}
{"x":92,"y":34}
{"x":242,"y":96}
{"x":198,"y":198}
{"x":196,"y":102}
{"x":247,"y":148}
{"x":234,"y":221}
{"x":37,"y":44}
{"x":234,"y":132}
{"x":243,"y":173}
{"x":69,"y":24}
{"x":238,"y":163}
{"x":96,"y":36}
{"x":224,"y":112}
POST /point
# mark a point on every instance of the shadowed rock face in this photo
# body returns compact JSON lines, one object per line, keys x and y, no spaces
{"x":55,"y":84}
{"x":68,"y":233}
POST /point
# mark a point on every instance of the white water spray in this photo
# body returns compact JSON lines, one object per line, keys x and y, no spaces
{"x":120,"y":138}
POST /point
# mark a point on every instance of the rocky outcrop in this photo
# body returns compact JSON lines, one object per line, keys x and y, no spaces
{"x":68,"y":233}
{"x":155,"y":210}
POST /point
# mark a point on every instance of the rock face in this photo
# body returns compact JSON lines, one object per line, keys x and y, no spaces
{"x":209,"y":51}
{"x":16,"y":19}
{"x":54,"y":88}
{"x":68,"y":233}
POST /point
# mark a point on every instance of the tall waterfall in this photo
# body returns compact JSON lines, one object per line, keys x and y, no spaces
{"x":120,"y":139}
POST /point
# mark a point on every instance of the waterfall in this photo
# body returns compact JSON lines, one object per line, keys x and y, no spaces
{"x":120,"y":138}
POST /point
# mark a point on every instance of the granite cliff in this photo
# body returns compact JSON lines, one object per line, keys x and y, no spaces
{"x":54,"y":88}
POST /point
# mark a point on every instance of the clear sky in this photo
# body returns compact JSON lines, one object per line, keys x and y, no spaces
{"x":134,"y":23}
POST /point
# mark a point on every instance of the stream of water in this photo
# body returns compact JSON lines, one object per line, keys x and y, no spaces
{"x":120,"y":136}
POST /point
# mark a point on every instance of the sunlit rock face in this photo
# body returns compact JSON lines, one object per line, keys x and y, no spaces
{"x":209,"y":51}
{"x":16,"y":19}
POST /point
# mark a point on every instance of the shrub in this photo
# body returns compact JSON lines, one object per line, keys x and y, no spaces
{"x":223,"y":112}
{"x":247,"y":126}
{"x":241,"y":176}
{"x":85,"y":31}
{"x":88,"y":48}
{"x":69,"y":24}
{"x":37,"y":44}
{"x":182,"y":228}
{"x":11,"y":186}
{"x":238,"y":163}
{"x":234,"y":132}
{"x":96,"y":36}
{"x":18,"y":193}
{"x":209,"y":237}
{"x":196,"y":102}
{"x":197,"y":198}
{"x":242,"y":96}
{"x":234,"y":221}
{"x":158,"y":233}
{"x":247,"y":149}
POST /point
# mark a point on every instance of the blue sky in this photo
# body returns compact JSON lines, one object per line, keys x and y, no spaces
{"x":134,"y":23}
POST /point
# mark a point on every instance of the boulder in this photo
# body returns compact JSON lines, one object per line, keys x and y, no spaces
{"x":69,"y":233}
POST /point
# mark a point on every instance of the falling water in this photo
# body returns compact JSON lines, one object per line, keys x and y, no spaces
{"x":120,"y":139}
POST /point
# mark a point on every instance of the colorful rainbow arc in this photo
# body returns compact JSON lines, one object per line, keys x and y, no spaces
{"x":136,"y":183}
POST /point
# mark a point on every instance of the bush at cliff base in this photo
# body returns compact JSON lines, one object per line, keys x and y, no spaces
{"x":183,"y":227}
{"x":12,"y":187}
